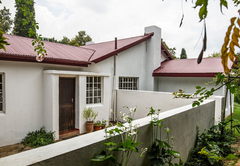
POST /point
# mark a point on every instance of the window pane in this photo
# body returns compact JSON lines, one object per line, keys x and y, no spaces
{"x":0,"y":77}
{"x":93,"y":90}
{"x":95,"y":100}
{"x":129,"y":83}
{"x":1,"y":107}
{"x":120,"y":85}
{"x":95,"y":93}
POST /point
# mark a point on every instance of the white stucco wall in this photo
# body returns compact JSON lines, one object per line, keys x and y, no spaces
{"x":188,"y":84}
{"x":31,"y":98}
{"x":143,"y":100}
{"x":23,"y":110}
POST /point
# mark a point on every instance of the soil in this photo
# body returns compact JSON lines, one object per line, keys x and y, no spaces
{"x":236,"y":161}
{"x":12,"y":149}
{"x":18,"y":148}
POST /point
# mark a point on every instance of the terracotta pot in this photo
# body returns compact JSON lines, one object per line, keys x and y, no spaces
{"x":89,"y":127}
{"x":96,"y":128}
{"x":103,"y":127}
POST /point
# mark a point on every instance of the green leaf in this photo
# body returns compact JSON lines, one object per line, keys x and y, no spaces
{"x":24,"y":21}
{"x":223,"y":3}
{"x":199,"y":3}
{"x":25,"y":13}
{"x":203,"y":13}
{"x":231,"y":157}
{"x":198,"y":87}
{"x":110,"y":144}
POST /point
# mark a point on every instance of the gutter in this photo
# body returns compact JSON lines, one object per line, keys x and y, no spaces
{"x":30,"y":58}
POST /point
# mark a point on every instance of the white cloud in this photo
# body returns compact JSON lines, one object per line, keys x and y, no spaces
{"x":104,"y":20}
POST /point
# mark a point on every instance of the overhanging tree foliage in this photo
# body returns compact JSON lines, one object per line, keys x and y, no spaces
{"x":5,"y":20}
{"x":22,"y":26}
{"x":172,"y":51}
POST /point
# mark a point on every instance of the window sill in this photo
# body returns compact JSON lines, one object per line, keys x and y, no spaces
{"x":94,"y":105}
{"x":2,"y":114}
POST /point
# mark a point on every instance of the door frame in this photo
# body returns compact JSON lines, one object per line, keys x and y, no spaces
{"x":74,"y":101}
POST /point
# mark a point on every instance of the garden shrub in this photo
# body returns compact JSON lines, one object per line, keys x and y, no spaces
{"x":212,"y":146}
{"x":38,"y":138}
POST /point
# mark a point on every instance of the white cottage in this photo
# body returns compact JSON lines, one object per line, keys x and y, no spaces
{"x":56,"y":90}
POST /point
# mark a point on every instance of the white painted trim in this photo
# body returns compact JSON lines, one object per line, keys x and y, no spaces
{"x":63,"y":72}
{"x":2,"y":114}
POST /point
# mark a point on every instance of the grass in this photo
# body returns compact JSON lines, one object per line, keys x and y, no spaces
{"x":236,"y":118}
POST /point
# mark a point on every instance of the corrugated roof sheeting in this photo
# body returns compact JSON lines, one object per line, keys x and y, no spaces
{"x":22,"y":46}
{"x":106,"y":49}
{"x":209,"y":67}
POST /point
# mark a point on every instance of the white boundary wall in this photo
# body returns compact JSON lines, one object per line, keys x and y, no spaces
{"x":182,"y":122}
{"x":158,"y":100}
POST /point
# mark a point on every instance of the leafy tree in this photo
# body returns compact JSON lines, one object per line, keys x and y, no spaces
{"x":53,"y":40}
{"x":65,"y":40}
{"x":80,"y":39}
{"x":170,"y":50}
{"x":23,"y":26}
{"x":215,"y":54}
{"x":5,"y":20}
{"x":73,"y":42}
{"x":3,"y":41}
{"x":183,"y":54}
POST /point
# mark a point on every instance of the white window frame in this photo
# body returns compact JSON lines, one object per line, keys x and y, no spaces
{"x":2,"y":94}
{"x":94,"y":90}
{"x":128,"y":83}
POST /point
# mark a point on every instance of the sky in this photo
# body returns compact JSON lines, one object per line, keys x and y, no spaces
{"x":103,"y":20}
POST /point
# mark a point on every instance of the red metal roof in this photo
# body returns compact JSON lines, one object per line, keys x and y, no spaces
{"x":107,"y":49}
{"x":209,"y":67}
{"x":21,"y":49}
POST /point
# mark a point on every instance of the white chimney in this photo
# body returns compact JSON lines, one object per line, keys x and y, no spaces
{"x":89,"y":43}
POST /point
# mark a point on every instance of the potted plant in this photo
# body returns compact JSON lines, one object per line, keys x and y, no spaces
{"x":103,"y":124}
{"x":97,"y":125}
{"x":90,"y":116}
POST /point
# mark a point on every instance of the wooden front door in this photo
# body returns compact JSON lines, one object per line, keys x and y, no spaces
{"x":66,"y":104}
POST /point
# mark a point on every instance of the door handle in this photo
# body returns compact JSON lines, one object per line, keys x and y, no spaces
{"x":72,"y":100}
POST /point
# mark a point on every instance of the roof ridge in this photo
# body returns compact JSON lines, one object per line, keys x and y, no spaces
{"x":117,"y":39}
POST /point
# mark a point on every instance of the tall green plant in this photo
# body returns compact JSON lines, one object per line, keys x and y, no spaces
{"x":161,"y":152}
{"x":127,"y":146}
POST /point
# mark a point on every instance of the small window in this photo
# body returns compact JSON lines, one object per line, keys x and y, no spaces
{"x":94,"y":90}
{"x":1,"y":92}
{"x":129,"y":83}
